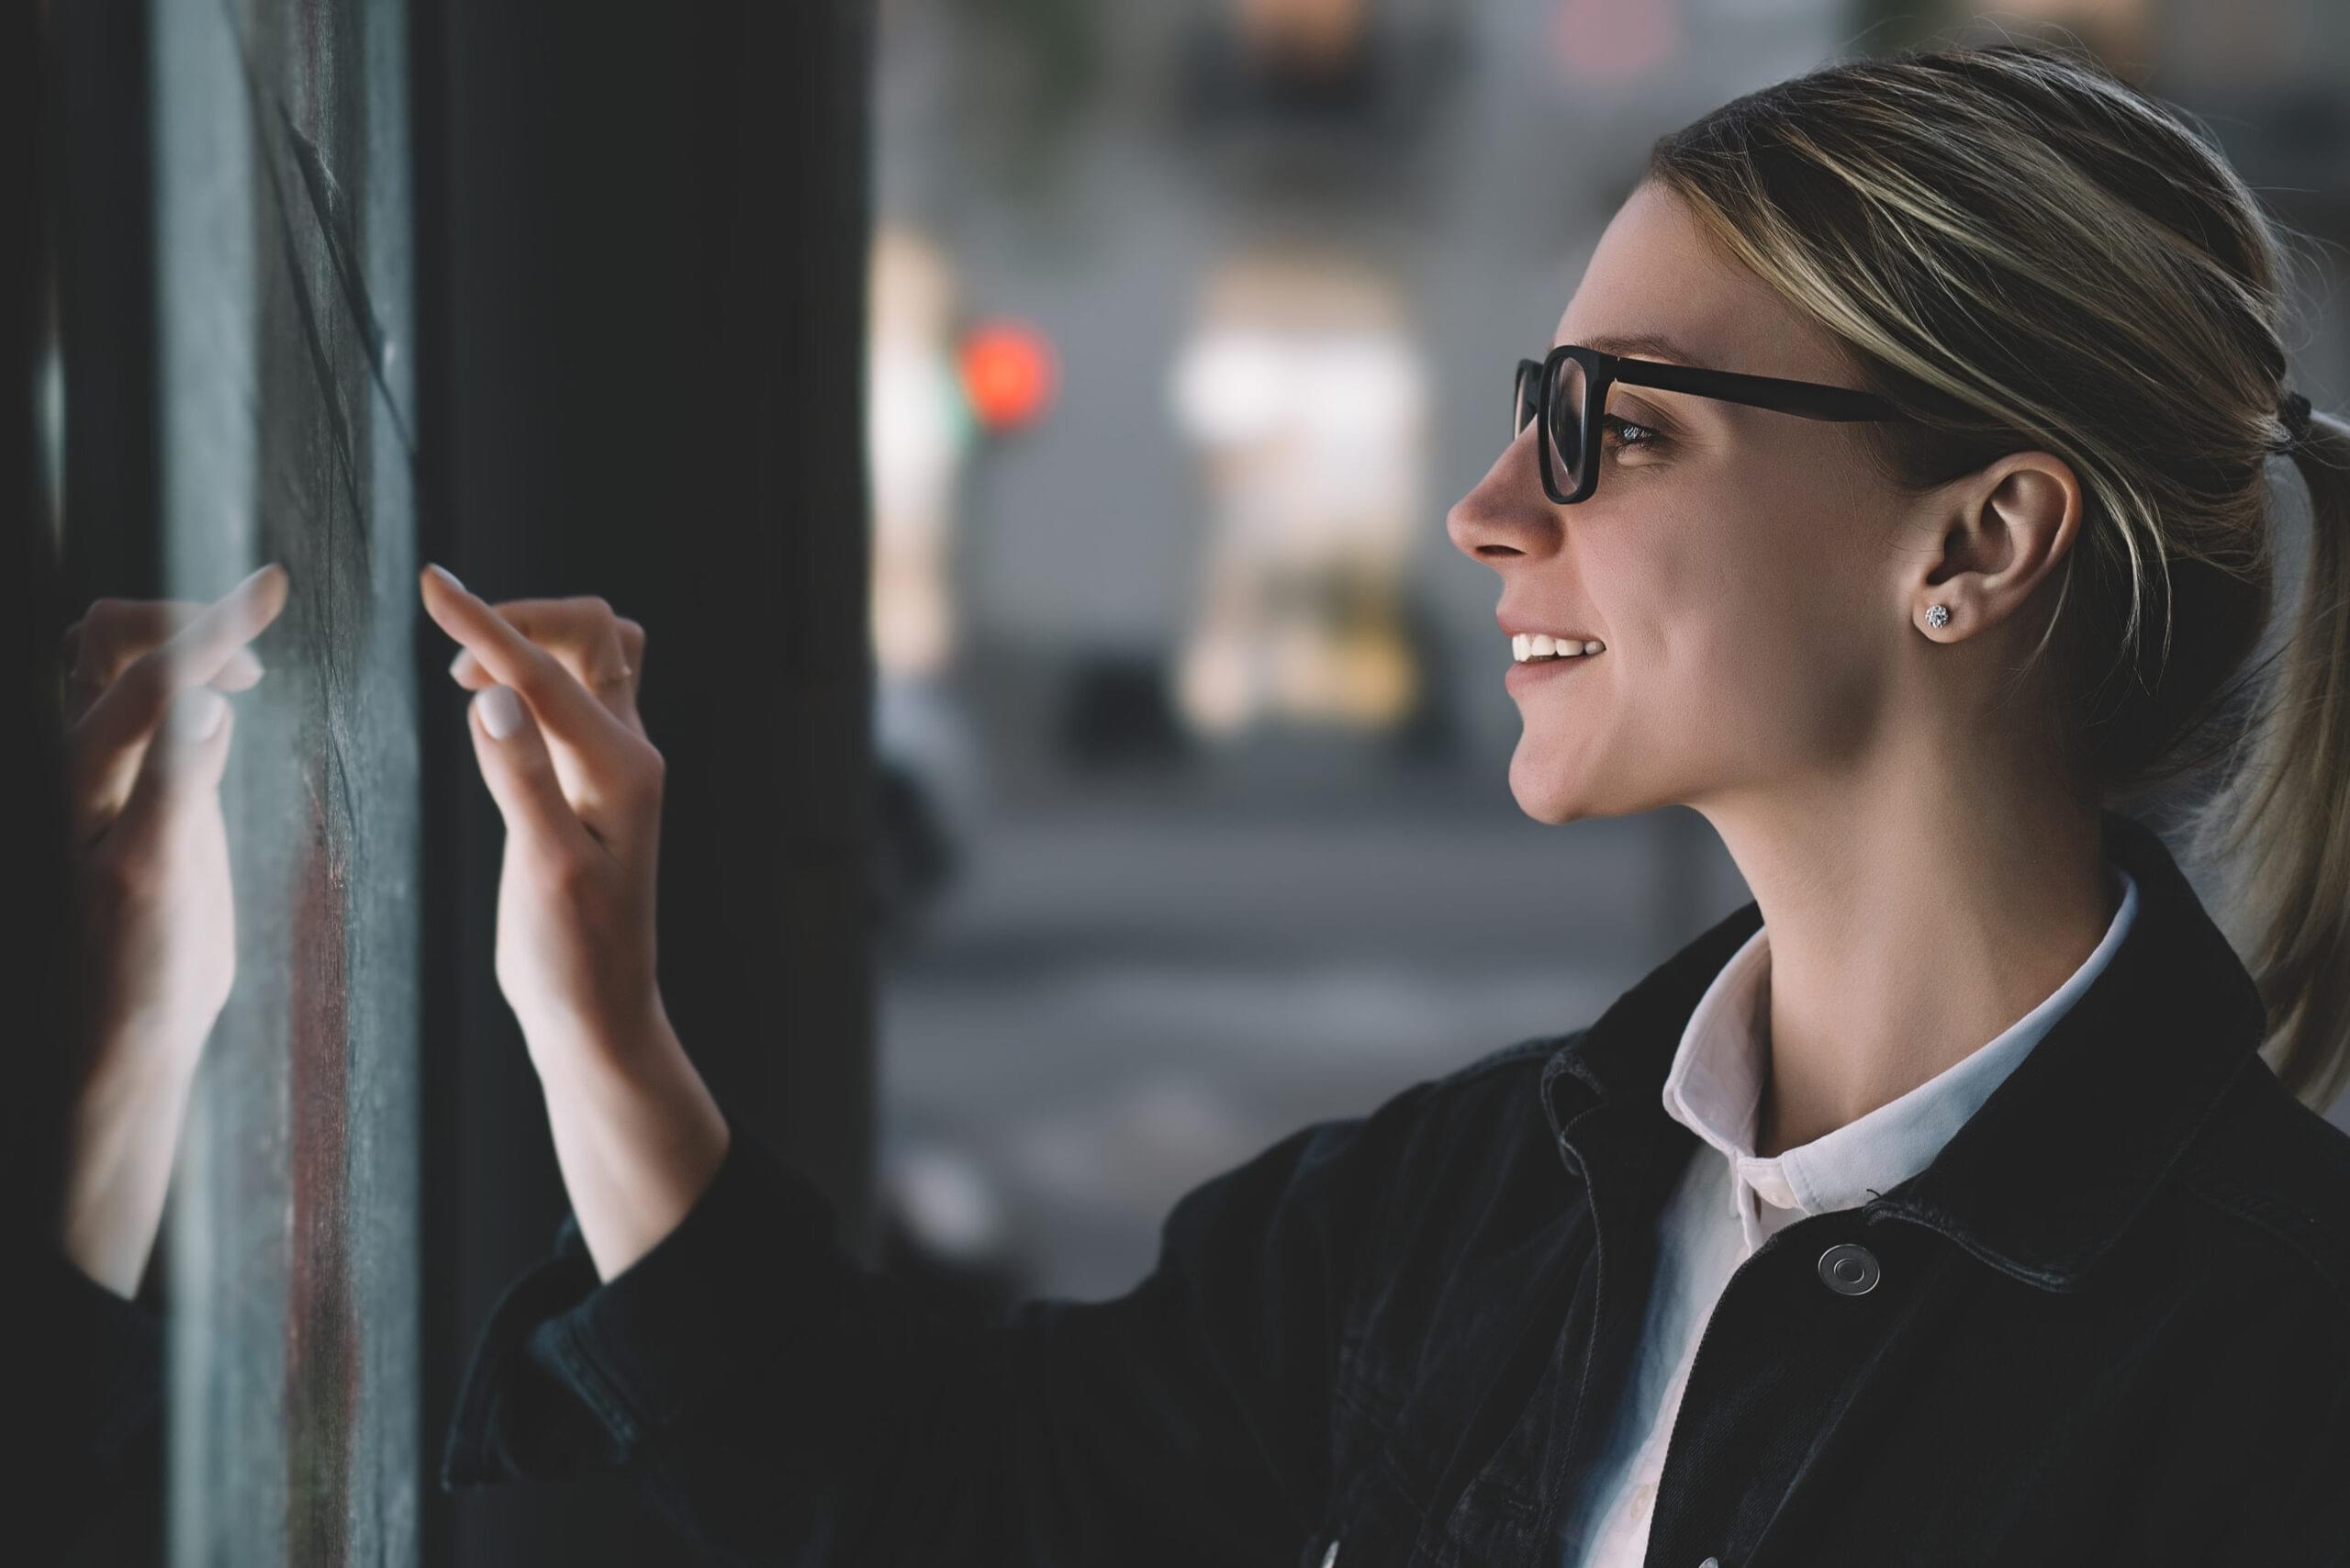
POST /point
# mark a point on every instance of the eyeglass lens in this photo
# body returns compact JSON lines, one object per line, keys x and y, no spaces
{"x":1566,"y":424}
{"x":1565,"y":432}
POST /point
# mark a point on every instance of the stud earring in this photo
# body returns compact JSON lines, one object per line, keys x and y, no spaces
{"x":1938,"y":616}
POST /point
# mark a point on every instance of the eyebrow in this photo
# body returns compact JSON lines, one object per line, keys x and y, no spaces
{"x":1645,"y":345}
{"x":1658,"y":345}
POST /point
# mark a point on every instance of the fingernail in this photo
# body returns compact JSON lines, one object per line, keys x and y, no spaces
{"x":446,"y":574}
{"x":458,"y":665}
{"x":501,"y":712}
{"x":195,"y":714}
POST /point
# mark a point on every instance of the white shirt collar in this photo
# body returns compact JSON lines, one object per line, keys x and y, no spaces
{"x":1715,"y":1088}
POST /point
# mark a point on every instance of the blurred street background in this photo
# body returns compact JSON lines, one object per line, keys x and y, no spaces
{"x":1188,"y":323}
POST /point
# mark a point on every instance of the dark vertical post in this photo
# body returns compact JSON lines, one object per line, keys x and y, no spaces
{"x":791,"y":332}
{"x":34,"y":877}
{"x":642,"y":279}
{"x":99,"y":140}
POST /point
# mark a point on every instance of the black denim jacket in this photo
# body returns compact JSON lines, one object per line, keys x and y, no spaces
{"x":2108,"y":1324}
{"x":85,"y":1397}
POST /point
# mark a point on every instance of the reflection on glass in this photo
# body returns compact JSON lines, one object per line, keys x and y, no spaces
{"x":148,"y":739}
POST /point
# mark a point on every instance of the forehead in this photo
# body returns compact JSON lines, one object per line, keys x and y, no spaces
{"x":1654,"y":272}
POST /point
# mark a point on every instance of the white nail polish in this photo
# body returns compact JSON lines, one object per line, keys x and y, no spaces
{"x":501,"y":712}
{"x":448,"y":575}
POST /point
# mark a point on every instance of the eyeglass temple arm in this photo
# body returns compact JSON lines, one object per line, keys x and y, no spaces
{"x":1806,"y":398}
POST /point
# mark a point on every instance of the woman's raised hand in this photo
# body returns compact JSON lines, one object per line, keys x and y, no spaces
{"x":556,"y":733}
{"x":560,"y":743}
{"x":147,"y":742}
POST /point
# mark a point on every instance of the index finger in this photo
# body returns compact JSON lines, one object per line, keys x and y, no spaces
{"x":229,"y":623}
{"x":103,"y":644}
{"x":567,"y":709}
{"x":131,"y":705}
{"x":108,"y":740}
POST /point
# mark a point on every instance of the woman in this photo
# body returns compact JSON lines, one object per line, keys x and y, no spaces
{"x":1954,"y":1218}
{"x":1951,"y":1217}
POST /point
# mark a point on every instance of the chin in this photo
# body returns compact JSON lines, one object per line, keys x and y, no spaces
{"x":1563,"y":789}
{"x":1545,"y":797}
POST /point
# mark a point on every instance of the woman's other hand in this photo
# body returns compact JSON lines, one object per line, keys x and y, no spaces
{"x":147,"y":742}
{"x":564,"y":751}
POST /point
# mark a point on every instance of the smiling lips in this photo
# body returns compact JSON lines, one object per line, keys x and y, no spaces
{"x":1528,"y":645}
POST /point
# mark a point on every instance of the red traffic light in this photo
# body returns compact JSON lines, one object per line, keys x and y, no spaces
{"x":1008,"y":372}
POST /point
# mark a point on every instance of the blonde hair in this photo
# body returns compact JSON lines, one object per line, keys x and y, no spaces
{"x":2021,"y":250}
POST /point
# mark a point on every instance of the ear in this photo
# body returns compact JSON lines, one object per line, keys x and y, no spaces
{"x":2002,"y":532}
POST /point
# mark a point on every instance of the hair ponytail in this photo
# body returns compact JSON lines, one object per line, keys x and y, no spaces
{"x":2278,"y":828}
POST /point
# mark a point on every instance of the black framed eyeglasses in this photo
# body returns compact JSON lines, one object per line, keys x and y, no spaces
{"x":1568,"y":393}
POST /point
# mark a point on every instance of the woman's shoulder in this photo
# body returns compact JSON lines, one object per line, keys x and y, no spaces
{"x":1501,"y":1085}
{"x":1524,"y":1055}
{"x":1487,"y":1104}
{"x":2273,"y":1174}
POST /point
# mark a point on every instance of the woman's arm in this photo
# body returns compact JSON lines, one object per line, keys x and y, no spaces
{"x":146,"y":737}
{"x":702,"y":1329}
{"x":564,"y":751}
{"x":147,"y":743}
{"x":782,"y":1404}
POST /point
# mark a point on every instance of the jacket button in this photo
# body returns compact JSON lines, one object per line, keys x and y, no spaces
{"x":1330,"y":1556}
{"x":1849,"y":1268}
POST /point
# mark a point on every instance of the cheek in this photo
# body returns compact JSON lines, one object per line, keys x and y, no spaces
{"x":1746,"y":641}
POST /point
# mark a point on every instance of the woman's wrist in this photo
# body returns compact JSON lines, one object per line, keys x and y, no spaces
{"x":604,"y":1041}
{"x":636,"y":1131}
{"x":122,"y":1135}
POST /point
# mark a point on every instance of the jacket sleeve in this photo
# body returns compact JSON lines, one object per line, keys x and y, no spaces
{"x":2256,"y":1472}
{"x":90,"y":1391}
{"x":781,"y":1404}
{"x":2312,"y":1526}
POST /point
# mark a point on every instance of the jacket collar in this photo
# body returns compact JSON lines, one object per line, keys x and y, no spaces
{"x":2044,"y":1177}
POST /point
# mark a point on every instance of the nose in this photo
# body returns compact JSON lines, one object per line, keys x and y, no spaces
{"x":1507,"y":516}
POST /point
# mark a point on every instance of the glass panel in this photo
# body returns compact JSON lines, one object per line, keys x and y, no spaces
{"x":284,"y":332}
{"x":1525,"y":396}
{"x":1566,"y":424}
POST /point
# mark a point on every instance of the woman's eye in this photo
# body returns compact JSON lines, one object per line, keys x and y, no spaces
{"x":1628,"y":433}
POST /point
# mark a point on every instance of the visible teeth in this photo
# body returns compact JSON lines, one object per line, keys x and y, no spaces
{"x":1527,"y":646}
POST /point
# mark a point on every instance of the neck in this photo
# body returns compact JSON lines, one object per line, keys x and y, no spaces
{"x":1907,"y":930}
